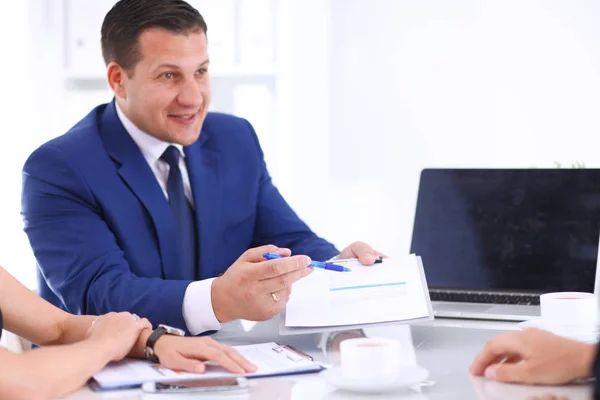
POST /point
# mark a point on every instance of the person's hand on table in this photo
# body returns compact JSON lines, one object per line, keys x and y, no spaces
{"x":486,"y":389}
{"x":189,"y":353}
{"x":534,"y":356}
{"x":256,"y":289}
{"x":362,"y":251}
{"x":118,"y":332}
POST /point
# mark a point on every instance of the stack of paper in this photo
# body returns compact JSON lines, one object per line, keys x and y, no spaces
{"x":393,"y":291}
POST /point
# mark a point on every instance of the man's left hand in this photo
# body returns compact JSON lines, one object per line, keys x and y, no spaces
{"x":365,"y":253}
{"x":189,"y":353}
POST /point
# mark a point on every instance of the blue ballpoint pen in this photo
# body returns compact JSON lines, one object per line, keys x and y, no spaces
{"x":316,"y":264}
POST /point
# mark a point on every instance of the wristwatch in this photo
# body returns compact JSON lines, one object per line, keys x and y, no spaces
{"x":158,"y":332}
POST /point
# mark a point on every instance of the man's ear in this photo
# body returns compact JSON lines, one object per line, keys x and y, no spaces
{"x":116,"y":76}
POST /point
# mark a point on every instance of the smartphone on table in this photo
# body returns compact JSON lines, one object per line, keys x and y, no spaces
{"x":195,"y":386}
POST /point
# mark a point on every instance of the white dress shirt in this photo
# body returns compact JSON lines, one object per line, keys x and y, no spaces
{"x":197,"y":302}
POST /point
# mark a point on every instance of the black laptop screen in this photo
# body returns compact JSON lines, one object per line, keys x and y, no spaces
{"x":525,"y":230}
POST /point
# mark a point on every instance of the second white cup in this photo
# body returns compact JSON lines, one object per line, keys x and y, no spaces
{"x":569,"y":309}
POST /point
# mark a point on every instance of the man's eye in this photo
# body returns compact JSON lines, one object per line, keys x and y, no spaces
{"x":168,"y":75}
{"x":201,"y":71}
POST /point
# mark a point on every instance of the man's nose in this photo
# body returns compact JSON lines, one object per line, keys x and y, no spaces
{"x":191,"y":94}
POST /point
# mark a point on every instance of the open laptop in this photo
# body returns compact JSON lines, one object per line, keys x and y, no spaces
{"x":493,"y":240}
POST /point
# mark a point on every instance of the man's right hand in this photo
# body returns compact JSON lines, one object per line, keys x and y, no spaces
{"x":250,"y":287}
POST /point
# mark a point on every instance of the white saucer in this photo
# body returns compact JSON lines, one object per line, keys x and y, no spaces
{"x":408,"y":376}
{"x":568,"y":332}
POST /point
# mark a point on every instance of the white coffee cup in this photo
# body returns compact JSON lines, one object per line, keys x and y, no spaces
{"x":569,"y":310}
{"x":367,"y":359}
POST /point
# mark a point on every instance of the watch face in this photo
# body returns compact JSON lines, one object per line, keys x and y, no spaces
{"x":172,"y":331}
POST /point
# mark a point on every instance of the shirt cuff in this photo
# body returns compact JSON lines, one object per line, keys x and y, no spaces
{"x":198,"y":312}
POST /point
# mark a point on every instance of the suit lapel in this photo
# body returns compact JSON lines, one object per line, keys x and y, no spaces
{"x":204,"y":169}
{"x":136,"y":173}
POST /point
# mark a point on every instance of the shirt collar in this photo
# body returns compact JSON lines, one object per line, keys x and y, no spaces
{"x":151,"y":147}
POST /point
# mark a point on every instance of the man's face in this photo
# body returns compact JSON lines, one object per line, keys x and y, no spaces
{"x":168,"y":93}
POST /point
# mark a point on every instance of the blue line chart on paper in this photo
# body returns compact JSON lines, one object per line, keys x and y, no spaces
{"x":337,"y":289}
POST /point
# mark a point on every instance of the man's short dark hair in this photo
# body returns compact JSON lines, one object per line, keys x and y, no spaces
{"x":126,"y":21}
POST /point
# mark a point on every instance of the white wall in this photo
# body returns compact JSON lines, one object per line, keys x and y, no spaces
{"x":467,"y":83}
{"x":18,"y":111}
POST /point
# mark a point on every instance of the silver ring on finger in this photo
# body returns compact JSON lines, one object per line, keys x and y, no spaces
{"x":135,"y":317}
{"x":275,"y":298}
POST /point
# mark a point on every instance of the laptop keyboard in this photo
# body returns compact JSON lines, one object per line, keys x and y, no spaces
{"x":481,"y":297}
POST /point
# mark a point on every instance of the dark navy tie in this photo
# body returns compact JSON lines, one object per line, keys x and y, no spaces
{"x":183,"y":213}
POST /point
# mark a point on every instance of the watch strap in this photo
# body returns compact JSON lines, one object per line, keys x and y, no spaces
{"x":149,"y":351}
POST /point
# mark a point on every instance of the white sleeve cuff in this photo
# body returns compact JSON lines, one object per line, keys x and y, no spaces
{"x":198,"y":312}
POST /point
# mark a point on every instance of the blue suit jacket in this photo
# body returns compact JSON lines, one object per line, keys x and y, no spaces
{"x":104,"y":235}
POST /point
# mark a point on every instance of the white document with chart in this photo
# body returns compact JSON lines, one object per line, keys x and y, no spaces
{"x":395,"y":290}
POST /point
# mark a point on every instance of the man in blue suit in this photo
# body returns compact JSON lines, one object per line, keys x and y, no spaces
{"x":148,"y":198}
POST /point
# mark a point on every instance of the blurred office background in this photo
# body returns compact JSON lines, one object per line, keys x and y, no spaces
{"x":350,"y":98}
